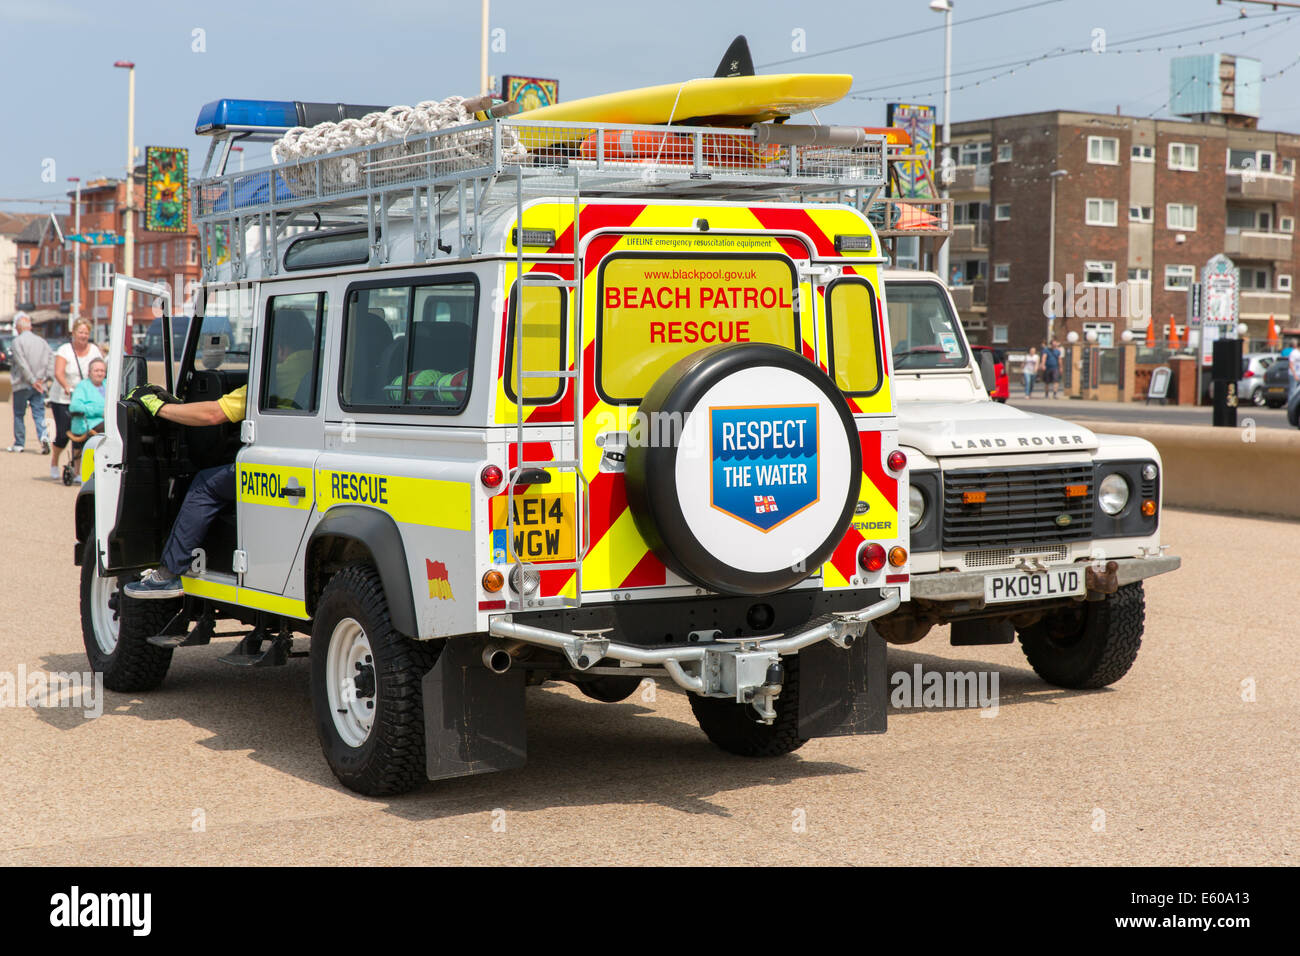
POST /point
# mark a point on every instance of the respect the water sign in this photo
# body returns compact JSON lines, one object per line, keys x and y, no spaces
{"x":764,"y":462}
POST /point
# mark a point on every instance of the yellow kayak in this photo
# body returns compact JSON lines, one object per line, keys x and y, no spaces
{"x":712,"y":101}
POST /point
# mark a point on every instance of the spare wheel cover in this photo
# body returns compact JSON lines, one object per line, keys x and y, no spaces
{"x":758,"y":487}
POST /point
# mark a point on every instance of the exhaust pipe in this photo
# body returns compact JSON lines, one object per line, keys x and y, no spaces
{"x":497,"y":659}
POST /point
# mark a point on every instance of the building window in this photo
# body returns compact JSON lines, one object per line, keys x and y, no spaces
{"x":1002,"y":272}
{"x":1184,"y":156}
{"x":1002,"y":211}
{"x":1180,"y":216}
{"x":1103,"y":149}
{"x":1099,"y":272}
{"x":58,"y":290}
{"x":1283,"y":283}
{"x":1139,"y":214}
{"x":141,"y":256}
{"x":1101,"y":212}
{"x":999,"y":334}
{"x":1144,"y":154}
{"x":1255,"y":279}
{"x":101,"y":276}
{"x":1004,"y":152}
{"x":1288,"y":167}
{"x":974,"y":154}
{"x":151,"y":254}
{"x":1105,"y":333}
{"x":45,"y":255}
{"x":58,"y":255}
{"x":26,"y":295}
{"x":194,"y":252}
{"x":162,"y":254}
{"x":1286,"y":224}
{"x":1139,"y":275}
{"x":27,"y":258}
{"x":1179,"y":277}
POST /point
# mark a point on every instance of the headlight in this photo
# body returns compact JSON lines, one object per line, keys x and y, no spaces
{"x":915,"y":506}
{"x":1112,"y":494}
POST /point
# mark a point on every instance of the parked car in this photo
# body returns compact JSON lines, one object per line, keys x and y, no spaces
{"x":1293,"y":409}
{"x":1277,"y":383}
{"x":4,"y":354}
{"x":1251,"y":386}
{"x":993,"y":369}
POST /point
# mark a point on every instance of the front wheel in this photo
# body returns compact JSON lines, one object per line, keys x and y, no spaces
{"x":366,"y":687}
{"x":734,"y":727}
{"x":1257,"y":398}
{"x":116,"y":630}
{"x":1090,"y":646}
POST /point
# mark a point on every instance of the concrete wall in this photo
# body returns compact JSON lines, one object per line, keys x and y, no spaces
{"x":1252,"y":471}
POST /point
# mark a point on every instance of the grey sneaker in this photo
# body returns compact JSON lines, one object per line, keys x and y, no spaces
{"x":16,"y":449}
{"x":156,"y":583}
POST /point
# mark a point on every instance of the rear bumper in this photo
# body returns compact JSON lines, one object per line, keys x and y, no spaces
{"x":969,"y":585}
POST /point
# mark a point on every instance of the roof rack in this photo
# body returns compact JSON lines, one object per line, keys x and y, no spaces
{"x":430,"y":175}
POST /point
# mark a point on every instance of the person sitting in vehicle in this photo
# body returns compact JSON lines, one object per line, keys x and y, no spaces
{"x":214,"y":488}
{"x":87,"y":405}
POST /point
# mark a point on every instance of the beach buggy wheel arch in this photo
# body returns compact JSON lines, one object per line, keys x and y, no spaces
{"x":748,"y":468}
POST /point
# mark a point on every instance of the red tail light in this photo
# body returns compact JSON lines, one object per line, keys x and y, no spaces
{"x":872,"y":558}
{"x":897,"y":461}
{"x":1249,"y":373}
{"x":491,"y":476}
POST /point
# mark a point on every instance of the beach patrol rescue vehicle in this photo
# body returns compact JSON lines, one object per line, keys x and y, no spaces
{"x":515,"y":419}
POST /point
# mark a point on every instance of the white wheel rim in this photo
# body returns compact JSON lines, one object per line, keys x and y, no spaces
{"x":351,"y":695}
{"x":102,"y":617}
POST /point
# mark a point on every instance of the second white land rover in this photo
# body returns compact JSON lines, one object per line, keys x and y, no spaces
{"x":1021,"y":523}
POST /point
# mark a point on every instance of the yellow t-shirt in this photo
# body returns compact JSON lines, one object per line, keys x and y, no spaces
{"x":234,"y":403}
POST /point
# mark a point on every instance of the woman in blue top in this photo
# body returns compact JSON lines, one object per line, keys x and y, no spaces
{"x":87,"y":406}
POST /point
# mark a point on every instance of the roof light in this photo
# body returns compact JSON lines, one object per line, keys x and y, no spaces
{"x":854,"y":244}
{"x":534,"y":237}
{"x":272,"y":117}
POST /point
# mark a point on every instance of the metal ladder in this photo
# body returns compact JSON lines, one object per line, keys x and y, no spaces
{"x":573,"y":378}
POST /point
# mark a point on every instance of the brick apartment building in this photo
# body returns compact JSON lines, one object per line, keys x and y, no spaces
{"x":1140,"y":205}
{"x":44,"y":267}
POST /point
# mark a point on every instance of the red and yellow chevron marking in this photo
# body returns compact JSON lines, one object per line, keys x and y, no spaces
{"x":880,"y":492}
{"x":619,"y":557}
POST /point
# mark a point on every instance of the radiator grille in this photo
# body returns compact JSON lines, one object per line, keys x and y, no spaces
{"x":995,"y":557}
{"x":1023,"y":507}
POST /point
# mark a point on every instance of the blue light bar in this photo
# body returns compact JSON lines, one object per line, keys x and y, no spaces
{"x":272,"y":116}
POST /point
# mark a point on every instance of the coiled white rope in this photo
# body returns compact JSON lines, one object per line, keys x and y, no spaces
{"x":397,"y":123}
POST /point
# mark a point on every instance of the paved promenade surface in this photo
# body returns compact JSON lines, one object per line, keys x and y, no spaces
{"x":1170,"y":766}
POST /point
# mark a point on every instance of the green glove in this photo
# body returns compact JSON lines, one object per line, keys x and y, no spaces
{"x":151,"y":398}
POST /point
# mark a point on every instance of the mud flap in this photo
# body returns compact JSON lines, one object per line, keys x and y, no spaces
{"x":843,"y":692}
{"x":473,"y":718}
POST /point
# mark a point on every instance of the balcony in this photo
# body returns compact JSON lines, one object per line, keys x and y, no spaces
{"x":1258,"y":303}
{"x":1249,"y":244}
{"x":969,"y":236}
{"x":1265,"y":187}
{"x":967,"y":179}
{"x":963,"y":297}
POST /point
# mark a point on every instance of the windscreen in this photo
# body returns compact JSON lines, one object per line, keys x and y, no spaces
{"x":655,"y":310}
{"x":922,"y":327}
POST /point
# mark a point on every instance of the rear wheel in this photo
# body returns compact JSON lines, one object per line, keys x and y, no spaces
{"x":609,"y":689}
{"x":1257,"y":398}
{"x":735,"y":728}
{"x":116,"y":629}
{"x":366,"y":681}
{"x":1090,"y":646}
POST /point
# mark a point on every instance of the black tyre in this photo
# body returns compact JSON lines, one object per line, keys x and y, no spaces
{"x":609,"y":689}
{"x":1257,"y":398}
{"x":734,"y":727}
{"x":366,"y":687}
{"x":116,"y":629}
{"x":1091,"y":646}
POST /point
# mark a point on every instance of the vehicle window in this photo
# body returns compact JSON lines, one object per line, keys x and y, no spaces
{"x":853,"y":346}
{"x":922,"y":327}
{"x":409,"y":347}
{"x":654,"y":310}
{"x":291,"y":360}
{"x":544,"y":323}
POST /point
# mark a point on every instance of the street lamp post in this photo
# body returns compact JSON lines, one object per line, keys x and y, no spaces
{"x":945,"y":7}
{"x":1053,"y":176}
{"x":76,"y":253}
{"x":128,"y":230}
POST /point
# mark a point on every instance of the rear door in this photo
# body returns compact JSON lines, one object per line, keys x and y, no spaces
{"x":274,"y":480}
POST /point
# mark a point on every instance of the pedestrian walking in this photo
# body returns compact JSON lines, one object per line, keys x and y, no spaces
{"x":31,"y":366}
{"x":1294,"y":360}
{"x":71,"y":366}
{"x":1031,"y":370}
{"x":1051,"y":368}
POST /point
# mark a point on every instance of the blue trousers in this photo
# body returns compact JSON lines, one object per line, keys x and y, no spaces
{"x":23,"y":397}
{"x":211,"y":490}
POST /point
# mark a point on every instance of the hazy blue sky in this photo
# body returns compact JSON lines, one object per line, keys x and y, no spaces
{"x":63,"y":100}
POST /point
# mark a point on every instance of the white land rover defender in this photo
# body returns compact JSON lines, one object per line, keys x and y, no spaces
{"x":519,"y":413}
{"x":1021,"y":523}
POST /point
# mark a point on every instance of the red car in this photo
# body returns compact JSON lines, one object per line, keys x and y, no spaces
{"x":993,"y":368}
